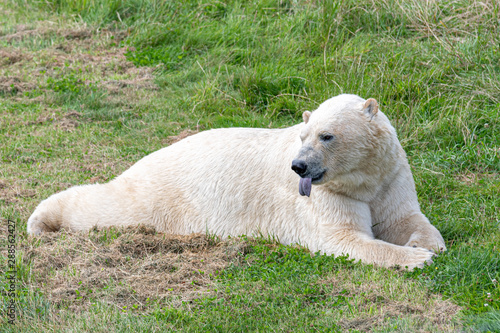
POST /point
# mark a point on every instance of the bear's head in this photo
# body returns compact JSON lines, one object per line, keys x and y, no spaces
{"x":342,"y":143}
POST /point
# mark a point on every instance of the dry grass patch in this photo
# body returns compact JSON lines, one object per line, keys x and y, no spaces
{"x":24,"y":69}
{"x":23,"y":32}
{"x":10,"y":57}
{"x":470,"y":178}
{"x":67,"y":121}
{"x":182,"y":135}
{"x":383,"y":298}
{"x":126,"y":267}
{"x":451,"y":18}
{"x":13,"y":84}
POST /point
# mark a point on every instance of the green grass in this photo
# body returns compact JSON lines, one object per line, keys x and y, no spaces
{"x":89,"y":87}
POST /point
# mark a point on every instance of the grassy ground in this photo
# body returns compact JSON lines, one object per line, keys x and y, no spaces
{"x":89,"y":87}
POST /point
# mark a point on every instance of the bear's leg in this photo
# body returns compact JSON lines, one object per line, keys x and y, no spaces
{"x":349,"y":231}
{"x":47,"y":217}
{"x":82,"y":207}
{"x":362,"y":246}
{"x":415,"y":231}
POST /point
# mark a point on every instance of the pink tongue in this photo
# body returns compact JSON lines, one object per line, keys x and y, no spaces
{"x":305,"y":186}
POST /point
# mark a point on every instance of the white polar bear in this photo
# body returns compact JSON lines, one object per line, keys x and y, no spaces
{"x":358,"y":195}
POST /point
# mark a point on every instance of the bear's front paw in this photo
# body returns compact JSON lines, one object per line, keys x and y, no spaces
{"x":417,"y":257}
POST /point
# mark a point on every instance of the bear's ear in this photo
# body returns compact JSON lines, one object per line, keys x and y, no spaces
{"x":306,"y":116}
{"x":371,"y":107}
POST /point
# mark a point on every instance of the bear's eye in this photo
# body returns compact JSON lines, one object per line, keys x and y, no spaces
{"x":326,"y":137}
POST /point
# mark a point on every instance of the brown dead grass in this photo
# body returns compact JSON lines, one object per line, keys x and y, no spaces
{"x":22,"y":33}
{"x":382,"y":302}
{"x":23,"y":69}
{"x":470,"y":178}
{"x":10,"y":57}
{"x":458,"y":17}
{"x":17,"y":192}
{"x":137,"y":267}
{"x":182,"y":135}
{"x":441,"y":317}
{"x":14,"y":192}
{"x":44,"y":29}
{"x":13,"y":85}
{"x":140,"y":78}
{"x":66,"y":122}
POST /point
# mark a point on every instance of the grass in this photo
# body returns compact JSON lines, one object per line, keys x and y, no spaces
{"x":89,"y":87}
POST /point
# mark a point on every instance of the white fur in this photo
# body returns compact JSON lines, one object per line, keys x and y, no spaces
{"x":238,"y":181}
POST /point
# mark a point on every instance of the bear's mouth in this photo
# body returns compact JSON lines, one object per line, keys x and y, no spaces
{"x":305,"y":184}
{"x":317,"y":178}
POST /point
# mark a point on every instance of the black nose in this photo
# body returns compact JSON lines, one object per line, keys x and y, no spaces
{"x":299,"y":166}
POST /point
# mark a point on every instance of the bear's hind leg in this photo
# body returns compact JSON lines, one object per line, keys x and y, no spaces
{"x":46,"y":218}
{"x":61,"y":210}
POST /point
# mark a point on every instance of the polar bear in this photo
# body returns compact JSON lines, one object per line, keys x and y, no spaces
{"x":339,"y":183}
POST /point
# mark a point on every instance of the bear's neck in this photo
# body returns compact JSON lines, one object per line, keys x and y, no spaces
{"x":366,"y":182}
{"x":397,"y":198}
